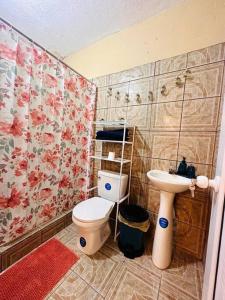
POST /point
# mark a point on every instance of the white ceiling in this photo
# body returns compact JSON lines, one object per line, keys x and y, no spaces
{"x":66,"y":26}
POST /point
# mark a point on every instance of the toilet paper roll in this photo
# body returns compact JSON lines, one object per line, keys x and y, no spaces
{"x":111,"y":155}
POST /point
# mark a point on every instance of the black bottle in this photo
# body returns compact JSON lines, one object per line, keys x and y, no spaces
{"x":182,"y":169}
{"x":191,"y":172}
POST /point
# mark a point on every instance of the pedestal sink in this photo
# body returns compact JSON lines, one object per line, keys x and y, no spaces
{"x":168,"y":185}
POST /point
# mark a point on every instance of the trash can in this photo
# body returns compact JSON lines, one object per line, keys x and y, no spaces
{"x":134,"y":222}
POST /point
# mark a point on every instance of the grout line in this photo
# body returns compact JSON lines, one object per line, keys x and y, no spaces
{"x":87,"y":283}
{"x":115,"y":277}
{"x":159,"y":287}
{"x":218,"y":115}
{"x":156,"y":75}
{"x":160,"y":102}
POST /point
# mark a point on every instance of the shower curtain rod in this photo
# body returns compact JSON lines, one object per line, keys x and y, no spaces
{"x":43,"y":48}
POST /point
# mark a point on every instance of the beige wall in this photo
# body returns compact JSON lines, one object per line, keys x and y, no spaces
{"x":191,"y":25}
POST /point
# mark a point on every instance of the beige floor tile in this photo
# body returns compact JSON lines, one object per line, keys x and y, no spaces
{"x":112,"y":250}
{"x":58,"y":284}
{"x":168,"y":292}
{"x":98,"y":270}
{"x":185,"y":275}
{"x":73,"y":245}
{"x":65,"y":235}
{"x":108,"y":274}
{"x":73,"y":287}
{"x":133,"y":282}
{"x":145,"y":261}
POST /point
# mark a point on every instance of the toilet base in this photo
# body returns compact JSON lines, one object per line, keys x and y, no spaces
{"x":90,"y":240}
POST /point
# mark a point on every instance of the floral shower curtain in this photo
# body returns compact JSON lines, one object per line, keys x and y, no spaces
{"x":46,"y":111}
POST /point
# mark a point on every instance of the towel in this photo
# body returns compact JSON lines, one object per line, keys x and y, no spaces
{"x":115,"y":134}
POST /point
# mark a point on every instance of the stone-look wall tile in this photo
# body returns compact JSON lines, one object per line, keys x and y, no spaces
{"x":200,"y":194}
{"x":101,"y":81}
{"x":117,"y":113}
{"x":138,"y":115}
{"x":200,"y":115}
{"x":142,"y":143}
{"x":151,"y":198}
{"x":202,"y":169}
{"x":216,"y":148}
{"x":115,"y":167}
{"x":205,"y":81}
{"x":166,"y":123}
{"x":118,"y":95}
{"x":207,"y":55}
{"x":197,"y":147}
{"x":164,"y":145}
{"x":221,"y":109}
{"x":162,"y":164}
{"x":190,"y":239}
{"x":173,"y":92}
{"x":97,"y":163}
{"x":132,"y":74}
{"x":142,"y":146}
{"x":191,"y":211}
{"x":139,"y":91}
{"x":137,"y":167}
{"x":147,"y":166}
{"x":134,"y":190}
{"x":166,"y":116}
{"x":117,"y":148}
{"x":101,"y":114}
{"x":213,"y":173}
{"x":103,"y":99}
{"x":172,"y":64}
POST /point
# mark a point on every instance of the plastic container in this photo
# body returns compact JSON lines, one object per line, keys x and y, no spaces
{"x":134,"y":223}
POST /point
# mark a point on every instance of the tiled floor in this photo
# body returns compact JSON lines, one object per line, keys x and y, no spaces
{"x":109,"y":275}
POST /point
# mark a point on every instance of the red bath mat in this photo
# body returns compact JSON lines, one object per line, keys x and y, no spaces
{"x":35,"y":275}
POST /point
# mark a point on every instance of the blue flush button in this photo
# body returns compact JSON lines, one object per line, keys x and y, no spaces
{"x":108,"y":186}
{"x":163,"y":222}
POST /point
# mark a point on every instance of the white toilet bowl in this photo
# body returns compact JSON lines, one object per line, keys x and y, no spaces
{"x":91,"y":218}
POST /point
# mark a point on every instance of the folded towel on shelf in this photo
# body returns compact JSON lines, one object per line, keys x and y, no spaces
{"x":114,"y":134}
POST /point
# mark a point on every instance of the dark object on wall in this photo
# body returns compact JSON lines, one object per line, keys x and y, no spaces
{"x":116,"y":134}
{"x":134,"y":223}
{"x":191,"y":172}
{"x":182,"y":169}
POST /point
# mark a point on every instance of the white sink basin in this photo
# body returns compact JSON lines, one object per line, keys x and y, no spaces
{"x":168,"y":182}
{"x":168,"y":185}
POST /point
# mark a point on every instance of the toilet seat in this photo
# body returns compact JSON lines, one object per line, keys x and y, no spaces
{"x":93,"y":209}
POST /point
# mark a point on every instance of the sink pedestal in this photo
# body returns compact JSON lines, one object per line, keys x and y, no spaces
{"x":163,"y":240}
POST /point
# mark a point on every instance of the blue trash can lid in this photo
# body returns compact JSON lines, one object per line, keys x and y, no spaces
{"x":134,"y":213}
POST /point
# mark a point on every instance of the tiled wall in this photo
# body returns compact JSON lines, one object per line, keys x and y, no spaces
{"x":182,"y":121}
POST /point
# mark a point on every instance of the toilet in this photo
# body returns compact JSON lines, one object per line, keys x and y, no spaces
{"x":91,"y":216}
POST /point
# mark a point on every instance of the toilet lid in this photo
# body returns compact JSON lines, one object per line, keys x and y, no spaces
{"x":93,"y":209}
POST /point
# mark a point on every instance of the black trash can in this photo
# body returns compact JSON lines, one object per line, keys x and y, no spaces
{"x":134,"y":222}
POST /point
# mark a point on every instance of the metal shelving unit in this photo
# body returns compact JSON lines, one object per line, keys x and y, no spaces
{"x":120,"y":160}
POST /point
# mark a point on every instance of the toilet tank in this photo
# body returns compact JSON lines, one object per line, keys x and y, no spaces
{"x":109,"y":185}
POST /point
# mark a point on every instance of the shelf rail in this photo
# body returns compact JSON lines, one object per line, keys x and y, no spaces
{"x":121,"y":160}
